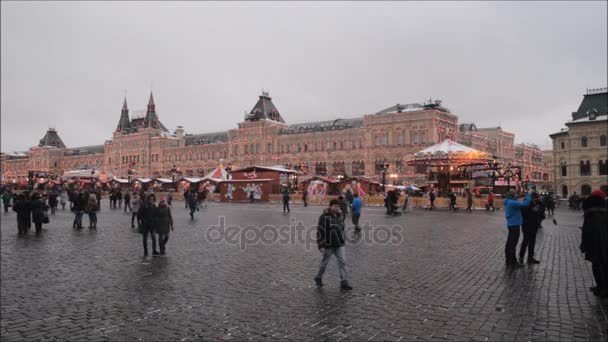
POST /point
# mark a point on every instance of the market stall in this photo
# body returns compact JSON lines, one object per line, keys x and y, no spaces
{"x":259,"y":181}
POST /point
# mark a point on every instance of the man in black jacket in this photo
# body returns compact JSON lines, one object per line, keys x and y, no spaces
{"x":594,"y":242}
{"x":330,"y":240}
{"x":532,"y":216}
{"x":149,"y":216}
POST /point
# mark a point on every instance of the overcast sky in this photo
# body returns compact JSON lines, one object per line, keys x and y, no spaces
{"x":521,"y":65}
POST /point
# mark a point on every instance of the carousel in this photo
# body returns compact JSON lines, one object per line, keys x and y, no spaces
{"x":450,"y":165}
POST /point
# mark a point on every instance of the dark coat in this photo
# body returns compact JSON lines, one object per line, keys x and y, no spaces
{"x":594,"y":242}
{"x":532,"y":215}
{"x":38,"y":209}
{"x":330,"y":230}
{"x":149,"y":215}
{"x":23,"y":209}
{"x":165,"y":220}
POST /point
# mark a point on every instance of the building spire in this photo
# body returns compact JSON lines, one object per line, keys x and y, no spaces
{"x":125,"y":108}
{"x":124,"y":124}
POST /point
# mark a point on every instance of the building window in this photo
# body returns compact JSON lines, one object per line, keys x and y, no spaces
{"x":585,"y":190}
{"x":246,"y":149}
{"x":338,"y":168}
{"x":305,"y":147}
{"x":399,"y":139}
{"x":299,"y":148}
{"x":320,"y":168}
{"x":584,"y":142}
{"x":358,"y":168}
{"x":603,"y":140}
{"x":603,"y":167}
{"x":269,"y":148}
{"x":585,"y":168}
{"x":423,"y":138}
{"x":341,"y":144}
{"x":564,"y":167}
{"x":415,"y":138}
{"x":257,"y":148}
{"x":360,"y":143}
{"x":378,"y":166}
{"x":564,"y":191}
{"x":563,"y":145}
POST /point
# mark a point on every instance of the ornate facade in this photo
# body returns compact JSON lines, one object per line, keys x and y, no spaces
{"x":580,"y":151}
{"x":143,"y":146}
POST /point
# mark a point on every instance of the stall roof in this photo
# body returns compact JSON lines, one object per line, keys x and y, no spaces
{"x":164,"y":180}
{"x":248,"y":180}
{"x":192,"y":179}
{"x":121,"y":180}
{"x":277,"y":168}
{"x":218,"y":173}
{"x":144,"y":180}
{"x":325,"y":179}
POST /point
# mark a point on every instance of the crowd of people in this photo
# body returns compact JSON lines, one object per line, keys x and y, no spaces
{"x":156,"y":221}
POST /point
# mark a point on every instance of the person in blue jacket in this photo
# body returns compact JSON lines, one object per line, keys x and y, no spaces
{"x":514,"y":220}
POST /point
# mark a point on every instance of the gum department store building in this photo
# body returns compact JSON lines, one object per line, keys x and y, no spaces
{"x":355,"y":147}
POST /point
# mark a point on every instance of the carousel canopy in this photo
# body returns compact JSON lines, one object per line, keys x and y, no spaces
{"x":449,"y":151}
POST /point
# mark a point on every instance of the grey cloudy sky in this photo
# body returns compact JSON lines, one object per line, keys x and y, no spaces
{"x":523,"y":65}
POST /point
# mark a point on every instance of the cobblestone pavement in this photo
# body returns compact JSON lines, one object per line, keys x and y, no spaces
{"x":445,"y":280}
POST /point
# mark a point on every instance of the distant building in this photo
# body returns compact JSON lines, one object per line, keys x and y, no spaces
{"x":580,"y":151}
{"x":355,"y":147}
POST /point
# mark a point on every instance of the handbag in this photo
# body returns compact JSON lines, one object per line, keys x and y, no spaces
{"x":45,"y":217}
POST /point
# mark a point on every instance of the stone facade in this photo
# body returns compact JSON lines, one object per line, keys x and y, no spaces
{"x":580,"y":151}
{"x":354,"y":147}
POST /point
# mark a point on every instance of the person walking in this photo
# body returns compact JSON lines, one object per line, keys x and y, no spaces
{"x":119,"y":198}
{"x":149,"y":216}
{"x":62,"y":200}
{"x":91,"y":208}
{"x":305,"y":197}
{"x":127,"y":198}
{"x":286,"y":200}
{"x":594,"y":242}
{"x":137,"y":202}
{"x":39,"y":209}
{"x":165,"y":223}
{"x":78,"y":209}
{"x":330,"y":240}
{"x":532,"y":215}
{"x":23,"y":210}
{"x":432,"y":199}
{"x":6,"y":200}
{"x":343,"y":207}
{"x":170,"y":198}
{"x":192,"y":203}
{"x":453,"y":198}
{"x":356,"y":213}
{"x":406,"y":202}
{"x":514,"y":220}
{"x":490,"y":201}
{"x":469,"y":200}
{"x":53,"y":202}
{"x":205,"y":196}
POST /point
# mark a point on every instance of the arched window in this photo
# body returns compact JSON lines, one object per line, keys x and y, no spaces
{"x":602,"y":140}
{"x":604,"y":188}
{"x":360,"y":143}
{"x":584,"y":142}
{"x":603,"y":167}
{"x":585,"y":168}
{"x":358,"y":168}
{"x":399,"y":139}
{"x":415,"y":138}
{"x":564,"y":191}
{"x":563,"y":145}
{"x":585,"y":190}
{"x":564,"y":168}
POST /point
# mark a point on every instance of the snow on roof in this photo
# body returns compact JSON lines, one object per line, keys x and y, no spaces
{"x":164,"y":180}
{"x":144,"y":180}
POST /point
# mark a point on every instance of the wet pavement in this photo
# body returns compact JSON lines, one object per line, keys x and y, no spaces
{"x":422,"y":276}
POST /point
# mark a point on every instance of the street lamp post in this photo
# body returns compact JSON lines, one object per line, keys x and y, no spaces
{"x":384,"y":168}
{"x":173,"y":172}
